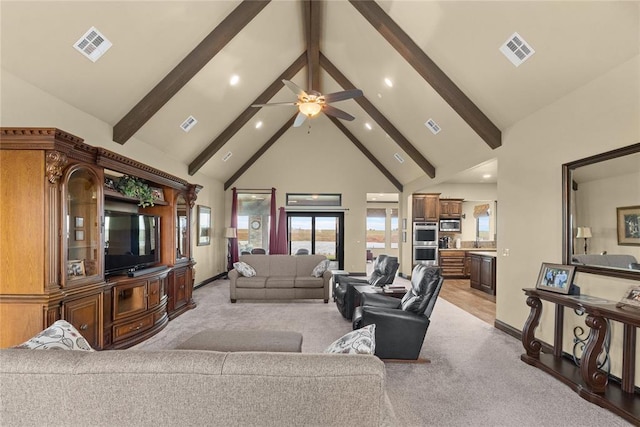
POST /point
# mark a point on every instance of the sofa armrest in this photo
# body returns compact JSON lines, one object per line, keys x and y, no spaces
{"x":326,"y":278}
{"x":233,"y":276}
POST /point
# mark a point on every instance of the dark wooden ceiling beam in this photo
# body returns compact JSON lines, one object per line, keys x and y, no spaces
{"x":429,"y":71}
{"x":379,"y":118}
{"x":186,"y":69}
{"x":366,"y":152}
{"x":260,"y":152}
{"x":312,"y":16}
{"x":246,"y":115}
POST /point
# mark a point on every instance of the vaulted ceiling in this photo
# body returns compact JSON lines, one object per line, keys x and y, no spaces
{"x":172,"y":60}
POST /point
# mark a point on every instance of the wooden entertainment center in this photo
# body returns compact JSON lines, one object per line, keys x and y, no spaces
{"x":52,"y":228}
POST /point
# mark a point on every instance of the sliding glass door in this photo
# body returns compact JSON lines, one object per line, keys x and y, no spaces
{"x":317,"y":233}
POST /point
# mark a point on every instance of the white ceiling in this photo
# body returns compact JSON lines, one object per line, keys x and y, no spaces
{"x":575,"y":42}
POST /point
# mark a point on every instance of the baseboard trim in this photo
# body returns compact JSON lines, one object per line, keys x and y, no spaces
{"x":209,"y":280}
{"x":516,"y":333}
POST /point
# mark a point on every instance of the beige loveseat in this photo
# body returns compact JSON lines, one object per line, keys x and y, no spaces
{"x":191,"y":387}
{"x":280,"y":277}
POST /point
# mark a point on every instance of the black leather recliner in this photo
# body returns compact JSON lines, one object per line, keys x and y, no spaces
{"x":384,"y":272}
{"x":401,"y":325}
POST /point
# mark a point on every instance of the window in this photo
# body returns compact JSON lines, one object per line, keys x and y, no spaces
{"x":254,"y":213}
{"x":376,"y":228}
{"x":482,"y":228}
{"x":395,"y":231}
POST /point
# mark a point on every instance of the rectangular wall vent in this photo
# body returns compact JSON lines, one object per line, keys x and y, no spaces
{"x":516,"y":49}
{"x":227,"y":156}
{"x":398,"y":158}
{"x":92,"y":44}
{"x":188,"y":123}
{"x":433,"y":126}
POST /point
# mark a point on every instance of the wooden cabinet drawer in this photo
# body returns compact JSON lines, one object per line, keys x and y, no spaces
{"x":131,"y":328}
{"x":154,"y":293}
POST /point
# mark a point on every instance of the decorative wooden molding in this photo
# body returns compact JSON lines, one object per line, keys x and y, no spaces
{"x":379,"y":118}
{"x":429,"y":71}
{"x":55,"y":164}
{"x":119,"y":163}
{"x":366,"y":152}
{"x":246,"y":115}
{"x":186,"y":69}
{"x":192,"y":194}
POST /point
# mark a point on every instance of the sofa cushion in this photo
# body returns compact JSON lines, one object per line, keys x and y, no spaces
{"x":280,"y":282}
{"x":309,"y":282}
{"x":359,"y":341}
{"x":319,"y":269}
{"x":260,"y":263}
{"x":282,"y":265}
{"x":305,"y":264}
{"x":244,"y":269}
{"x":250,"y":282}
{"x":59,"y":336}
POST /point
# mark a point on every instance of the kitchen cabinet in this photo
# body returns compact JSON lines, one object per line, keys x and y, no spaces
{"x":483,"y":272}
{"x":452,"y":263}
{"x":426,"y":207}
{"x":450,"y":208}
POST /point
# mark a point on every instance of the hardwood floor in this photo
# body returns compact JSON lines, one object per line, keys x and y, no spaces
{"x":459,"y":293}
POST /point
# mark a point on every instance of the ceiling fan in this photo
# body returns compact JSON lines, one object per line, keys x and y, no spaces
{"x":310,"y":104}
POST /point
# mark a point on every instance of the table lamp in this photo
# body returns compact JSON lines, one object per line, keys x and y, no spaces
{"x":584,"y":233}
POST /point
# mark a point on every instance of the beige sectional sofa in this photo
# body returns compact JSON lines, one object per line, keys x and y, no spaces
{"x":280,"y":277}
{"x":191,"y":387}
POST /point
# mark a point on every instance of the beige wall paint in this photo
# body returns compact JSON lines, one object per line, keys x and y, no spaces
{"x":530,"y":191}
{"x":23,"y":104}
{"x":322,"y":161}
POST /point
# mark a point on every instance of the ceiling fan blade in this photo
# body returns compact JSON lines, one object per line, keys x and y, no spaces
{"x":341,"y":96}
{"x":274,"y":103}
{"x":336,"y":112}
{"x":300,"y":118}
{"x":295,"y":88}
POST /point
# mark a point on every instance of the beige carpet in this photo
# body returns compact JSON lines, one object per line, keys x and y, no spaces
{"x":475,"y":377}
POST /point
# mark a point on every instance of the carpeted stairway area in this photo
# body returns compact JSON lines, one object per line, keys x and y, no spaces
{"x":475,"y":377}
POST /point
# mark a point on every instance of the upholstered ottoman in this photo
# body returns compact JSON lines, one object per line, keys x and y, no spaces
{"x":226,"y":340}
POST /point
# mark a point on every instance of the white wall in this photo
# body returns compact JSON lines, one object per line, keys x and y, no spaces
{"x":322,"y":161}
{"x":530,"y":190}
{"x":24,"y":105}
{"x":596,"y":203}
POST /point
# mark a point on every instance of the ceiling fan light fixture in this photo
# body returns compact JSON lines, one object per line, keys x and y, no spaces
{"x":309,"y":109}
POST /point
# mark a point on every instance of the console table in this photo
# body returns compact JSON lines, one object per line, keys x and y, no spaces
{"x":587,"y":380}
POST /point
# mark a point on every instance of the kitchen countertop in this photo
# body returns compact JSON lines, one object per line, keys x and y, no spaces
{"x":485,"y":253}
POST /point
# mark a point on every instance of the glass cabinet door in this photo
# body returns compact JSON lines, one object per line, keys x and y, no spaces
{"x":82,"y":225}
{"x":182,"y":229}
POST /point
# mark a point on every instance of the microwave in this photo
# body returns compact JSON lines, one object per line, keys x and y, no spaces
{"x":450,"y":225}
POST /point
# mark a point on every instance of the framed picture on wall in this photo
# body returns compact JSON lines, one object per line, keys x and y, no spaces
{"x":555,"y":277}
{"x":204,"y":225}
{"x":628,"y":225}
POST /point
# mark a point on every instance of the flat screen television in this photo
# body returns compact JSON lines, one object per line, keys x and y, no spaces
{"x":131,"y":241}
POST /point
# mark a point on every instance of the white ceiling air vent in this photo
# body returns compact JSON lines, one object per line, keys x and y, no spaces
{"x":93,"y":44}
{"x":398,"y":158}
{"x":227,"y":156}
{"x":188,"y":123}
{"x":433,"y":126}
{"x":516,"y":49}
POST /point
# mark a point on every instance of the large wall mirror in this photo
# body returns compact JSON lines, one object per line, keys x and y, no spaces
{"x":601,"y":213}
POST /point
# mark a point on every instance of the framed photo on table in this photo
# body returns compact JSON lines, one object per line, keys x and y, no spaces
{"x":631,"y":298}
{"x":555,"y":278}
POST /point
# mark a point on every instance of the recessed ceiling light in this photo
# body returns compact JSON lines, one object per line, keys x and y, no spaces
{"x":368,"y":126}
{"x":234,"y":80}
{"x":486,"y":176}
{"x":388,"y":82}
{"x":259,"y":125}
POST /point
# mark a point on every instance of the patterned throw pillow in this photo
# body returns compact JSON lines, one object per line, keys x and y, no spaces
{"x":319,"y":269}
{"x":245,"y":269}
{"x":360,"y":341}
{"x":59,"y":336}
